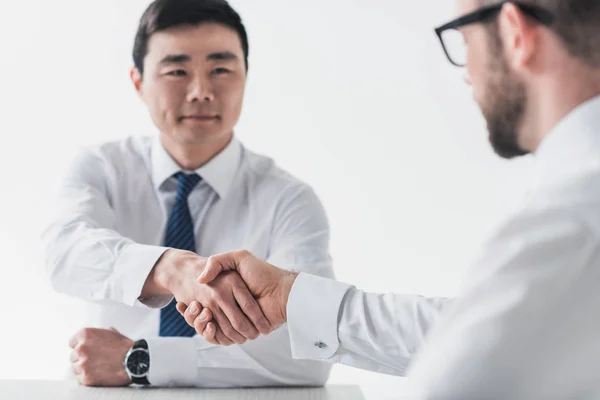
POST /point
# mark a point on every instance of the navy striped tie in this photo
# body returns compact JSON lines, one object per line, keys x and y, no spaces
{"x":180,"y":235}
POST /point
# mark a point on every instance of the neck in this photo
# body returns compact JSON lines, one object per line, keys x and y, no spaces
{"x":191,"y":156}
{"x":553,"y":100}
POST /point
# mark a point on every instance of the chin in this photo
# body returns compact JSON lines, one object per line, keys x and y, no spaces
{"x":203,"y":136}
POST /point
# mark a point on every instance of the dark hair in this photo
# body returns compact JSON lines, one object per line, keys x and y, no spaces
{"x":576,"y":23}
{"x":164,"y":14}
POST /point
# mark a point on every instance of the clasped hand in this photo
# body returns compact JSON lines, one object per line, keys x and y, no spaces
{"x":225,"y":300}
{"x":268,"y":285}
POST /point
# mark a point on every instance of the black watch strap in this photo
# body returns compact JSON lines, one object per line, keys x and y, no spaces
{"x":140,"y":381}
{"x":140,"y":344}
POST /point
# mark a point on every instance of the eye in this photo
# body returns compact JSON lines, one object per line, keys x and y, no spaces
{"x":177,"y":72}
{"x":220,"y":71}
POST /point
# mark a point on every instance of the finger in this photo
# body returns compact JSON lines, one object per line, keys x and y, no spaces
{"x":210,"y":332}
{"x":74,"y":357}
{"x":181,"y":307}
{"x":250,"y":307}
{"x":238,"y":319}
{"x":73,"y":342}
{"x":202,"y":321}
{"x":192,"y":312}
{"x":219,"y":263}
{"x":76,"y":369}
{"x":213,"y":268}
{"x":221,"y":338}
{"x":226,"y":328}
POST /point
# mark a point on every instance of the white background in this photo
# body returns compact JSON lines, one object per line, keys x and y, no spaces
{"x":353,"y":96}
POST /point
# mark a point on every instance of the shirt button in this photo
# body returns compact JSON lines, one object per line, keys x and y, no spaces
{"x":320,"y":345}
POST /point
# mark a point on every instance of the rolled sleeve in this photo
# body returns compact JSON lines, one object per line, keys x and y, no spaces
{"x":313,"y":319}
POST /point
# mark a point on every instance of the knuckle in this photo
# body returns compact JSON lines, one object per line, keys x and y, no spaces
{"x":85,"y":333}
{"x":240,"y":325}
{"x":221,"y":339}
{"x":84,"y":364}
{"x":243,"y":253}
{"x":82,"y":348}
{"x":228,"y":330}
{"x":247,"y":303}
{"x":253,"y":335}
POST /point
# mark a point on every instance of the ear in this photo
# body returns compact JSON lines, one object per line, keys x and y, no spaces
{"x":136,"y":78}
{"x":519,"y":36}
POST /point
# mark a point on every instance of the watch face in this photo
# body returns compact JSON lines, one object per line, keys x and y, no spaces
{"x":138,"y":362}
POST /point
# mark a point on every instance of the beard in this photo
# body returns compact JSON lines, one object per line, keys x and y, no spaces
{"x":503,"y":104}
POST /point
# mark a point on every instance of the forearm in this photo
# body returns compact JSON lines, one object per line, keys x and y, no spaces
{"x":383,"y":332}
{"x":97,"y":264}
{"x":370,"y":331}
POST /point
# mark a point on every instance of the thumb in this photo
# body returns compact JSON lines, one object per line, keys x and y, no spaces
{"x":217,"y":264}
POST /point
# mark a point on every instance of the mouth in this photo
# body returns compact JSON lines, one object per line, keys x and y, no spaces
{"x":200,"y":118}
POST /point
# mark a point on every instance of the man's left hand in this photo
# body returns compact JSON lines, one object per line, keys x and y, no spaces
{"x":98,"y":355}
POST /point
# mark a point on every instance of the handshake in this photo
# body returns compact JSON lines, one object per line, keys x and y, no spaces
{"x":228,"y":298}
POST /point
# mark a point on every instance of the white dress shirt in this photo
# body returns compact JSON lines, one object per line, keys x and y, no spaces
{"x":109,"y":226}
{"x":526,"y":325}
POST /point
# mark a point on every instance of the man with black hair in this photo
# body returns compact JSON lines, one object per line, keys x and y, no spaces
{"x":135,"y":215}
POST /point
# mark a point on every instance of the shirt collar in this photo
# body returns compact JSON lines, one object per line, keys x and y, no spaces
{"x":218,"y":173}
{"x":571,"y":148}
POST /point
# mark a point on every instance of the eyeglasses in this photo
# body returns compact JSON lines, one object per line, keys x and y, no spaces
{"x":453,"y":41}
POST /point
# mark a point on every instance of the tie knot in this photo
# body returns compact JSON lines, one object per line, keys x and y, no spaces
{"x":187,"y":182}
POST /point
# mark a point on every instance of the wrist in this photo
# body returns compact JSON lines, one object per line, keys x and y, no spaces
{"x":163,"y":274}
{"x":287,"y":282}
{"x":136,"y":363}
{"x":123,"y":371}
{"x":127,"y":345}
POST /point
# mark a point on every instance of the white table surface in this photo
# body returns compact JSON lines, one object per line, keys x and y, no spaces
{"x":71,"y":390}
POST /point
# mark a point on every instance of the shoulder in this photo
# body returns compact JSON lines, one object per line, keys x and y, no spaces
{"x":100,"y":162}
{"x":120,"y":152}
{"x":265,"y":176}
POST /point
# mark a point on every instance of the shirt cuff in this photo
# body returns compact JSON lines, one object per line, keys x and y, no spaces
{"x":132,"y":268}
{"x":173,"y":362}
{"x":312,"y":312}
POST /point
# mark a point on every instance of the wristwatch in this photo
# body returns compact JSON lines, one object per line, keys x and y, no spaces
{"x":137,"y":363}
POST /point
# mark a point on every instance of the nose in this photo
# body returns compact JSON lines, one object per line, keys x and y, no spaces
{"x":200,"y":91}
